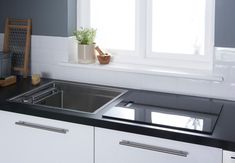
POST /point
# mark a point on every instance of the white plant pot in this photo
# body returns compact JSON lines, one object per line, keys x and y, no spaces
{"x":86,"y":53}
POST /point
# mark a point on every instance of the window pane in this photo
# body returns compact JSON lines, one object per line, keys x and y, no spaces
{"x":178,"y":26}
{"x":115,"y":23}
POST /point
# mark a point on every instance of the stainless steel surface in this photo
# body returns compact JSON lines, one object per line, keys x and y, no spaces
{"x":42,"y":127}
{"x":44,"y":94}
{"x":154,"y":148}
{"x":70,"y":96}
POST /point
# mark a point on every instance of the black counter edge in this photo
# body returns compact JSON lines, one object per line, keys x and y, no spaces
{"x":194,"y":139}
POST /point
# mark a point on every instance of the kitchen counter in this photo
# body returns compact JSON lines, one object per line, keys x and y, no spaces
{"x":222,"y":137}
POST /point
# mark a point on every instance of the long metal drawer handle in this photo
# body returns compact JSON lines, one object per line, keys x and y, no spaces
{"x":154,"y":148}
{"x":43,"y":127}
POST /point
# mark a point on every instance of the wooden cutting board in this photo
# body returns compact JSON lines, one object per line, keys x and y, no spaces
{"x":8,"y":81}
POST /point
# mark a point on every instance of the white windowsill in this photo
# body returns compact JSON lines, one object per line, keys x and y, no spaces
{"x":148,"y":70}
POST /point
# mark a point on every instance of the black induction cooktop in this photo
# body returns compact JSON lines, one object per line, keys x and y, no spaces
{"x":166,"y":110}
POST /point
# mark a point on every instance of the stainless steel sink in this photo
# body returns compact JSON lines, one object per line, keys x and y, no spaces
{"x":70,"y":96}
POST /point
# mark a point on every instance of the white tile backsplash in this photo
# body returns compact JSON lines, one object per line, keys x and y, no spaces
{"x":48,"y":53}
{"x":48,"y":42}
{"x":72,"y":49}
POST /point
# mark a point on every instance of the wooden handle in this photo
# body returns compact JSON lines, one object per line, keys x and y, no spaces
{"x":99,"y":50}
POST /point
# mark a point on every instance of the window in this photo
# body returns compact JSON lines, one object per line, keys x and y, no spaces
{"x":169,"y":33}
{"x":177,"y":28}
{"x":116,"y":28}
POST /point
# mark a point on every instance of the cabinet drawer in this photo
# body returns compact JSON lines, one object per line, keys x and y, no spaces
{"x":115,"y":146}
{"x":29,"y":139}
{"x":228,"y":157}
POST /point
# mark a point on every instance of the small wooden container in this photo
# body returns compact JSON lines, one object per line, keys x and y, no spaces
{"x":8,"y":81}
{"x":104,"y":59}
{"x":36,"y":79}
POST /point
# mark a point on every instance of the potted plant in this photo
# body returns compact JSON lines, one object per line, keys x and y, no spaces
{"x":86,"y":44}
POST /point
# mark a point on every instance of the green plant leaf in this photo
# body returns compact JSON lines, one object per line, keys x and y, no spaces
{"x":85,"y":36}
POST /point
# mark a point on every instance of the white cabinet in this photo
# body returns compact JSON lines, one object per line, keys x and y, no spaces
{"x":121,"y":147}
{"x":29,"y":139}
{"x":228,"y":157}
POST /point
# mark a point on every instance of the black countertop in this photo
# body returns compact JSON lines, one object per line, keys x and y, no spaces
{"x":223,"y":135}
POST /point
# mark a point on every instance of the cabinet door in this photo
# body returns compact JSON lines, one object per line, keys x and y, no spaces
{"x":120,"y":147}
{"x":29,"y":139}
{"x":228,"y":157}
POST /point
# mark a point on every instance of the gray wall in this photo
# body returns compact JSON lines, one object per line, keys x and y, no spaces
{"x":225,"y":23}
{"x":58,"y":17}
{"x":72,"y":16}
{"x":50,"y":17}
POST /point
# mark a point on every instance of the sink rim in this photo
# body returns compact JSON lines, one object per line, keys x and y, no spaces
{"x":41,"y":87}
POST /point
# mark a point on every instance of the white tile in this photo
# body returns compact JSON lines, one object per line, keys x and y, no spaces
{"x":35,"y":69}
{"x":220,"y":90}
{"x":72,"y":50}
{"x":158,"y":83}
{"x":48,"y":52}
{"x":225,"y":54}
{"x":231,"y":75}
{"x":50,"y":42}
{"x":231,"y":92}
{"x":223,"y":70}
{"x":48,"y":56}
{"x":194,"y":87}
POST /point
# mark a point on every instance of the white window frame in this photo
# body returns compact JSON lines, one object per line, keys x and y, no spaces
{"x":83,"y":15}
{"x":184,"y":60}
{"x":143,"y":54}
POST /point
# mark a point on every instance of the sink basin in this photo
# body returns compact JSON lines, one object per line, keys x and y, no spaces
{"x":70,"y":96}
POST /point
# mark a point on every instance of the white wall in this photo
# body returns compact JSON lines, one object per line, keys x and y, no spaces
{"x":48,"y":53}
